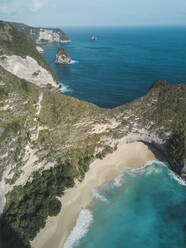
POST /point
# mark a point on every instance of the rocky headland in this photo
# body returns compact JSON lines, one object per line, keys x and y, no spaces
{"x":19,"y":56}
{"x":40,"y":35}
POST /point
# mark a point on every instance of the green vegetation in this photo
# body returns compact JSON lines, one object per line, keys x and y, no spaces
{"x":107,"y":149}
{"x":2,"y":93}
{"x":83,"y":162}
{"x":33,"y":33}
{"x":162,"y":111}
{"x":176,"y":147}
{"x":11,"y":127}
{"x":13,"y":42}
{"x":29,"y":206}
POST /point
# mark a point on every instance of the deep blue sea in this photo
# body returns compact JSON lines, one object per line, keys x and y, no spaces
{"x":122,"y":64}
{"x":143,"y":208}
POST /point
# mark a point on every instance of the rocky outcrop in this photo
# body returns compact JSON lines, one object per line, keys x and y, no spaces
{"x":19,"y":56}
{"x":40,"y":35}
{"x":39,"y":49}
{"x":28,"y":69}
{"x":93,"y":37}
{"x":51,"y":35}
{"x":62,"y":57}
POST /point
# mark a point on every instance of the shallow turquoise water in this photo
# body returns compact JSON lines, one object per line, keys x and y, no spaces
{"x":143,"y":208}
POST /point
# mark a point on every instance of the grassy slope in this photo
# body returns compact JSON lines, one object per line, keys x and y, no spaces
{"x":69,"y":146}
{"x":35,"y":31}
{"x":163,"y":111}
{"x":13,"y":42}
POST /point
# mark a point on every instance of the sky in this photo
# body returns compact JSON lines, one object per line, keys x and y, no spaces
{"x":94,"y":12}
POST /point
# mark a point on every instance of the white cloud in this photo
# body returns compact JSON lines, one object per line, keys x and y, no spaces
{"x":36,"y":5}
{"x":8,"y":7}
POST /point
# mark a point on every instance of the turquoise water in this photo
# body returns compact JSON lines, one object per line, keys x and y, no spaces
{"x":142,"y":208}
{"x":122,"y":64}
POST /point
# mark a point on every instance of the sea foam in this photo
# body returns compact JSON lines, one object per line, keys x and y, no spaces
{"x":74,"y":61}
{"x":139,"y":189}
{"x":118,"y":180}
{"x":177,"y":178}
{"x":65,"y":88}
{"x":97,"y":195}
{"x":83,"y":223}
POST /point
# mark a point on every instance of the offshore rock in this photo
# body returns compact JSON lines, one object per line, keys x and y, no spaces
{"x":62,"y":57}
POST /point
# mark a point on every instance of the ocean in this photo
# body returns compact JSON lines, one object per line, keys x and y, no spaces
{"x":122,"y":64}
{"x":142,"y":208}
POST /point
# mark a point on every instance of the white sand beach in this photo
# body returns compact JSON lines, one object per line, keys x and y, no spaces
{"x":57,"y":229}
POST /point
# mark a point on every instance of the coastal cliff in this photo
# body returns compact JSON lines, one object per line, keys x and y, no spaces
{"x":39,"y":35}
{"x":47,"y":140}
{"x":19,"y":56}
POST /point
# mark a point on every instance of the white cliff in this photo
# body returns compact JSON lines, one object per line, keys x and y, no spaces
{"x":28,"y":69}
{"x":50,"y":35}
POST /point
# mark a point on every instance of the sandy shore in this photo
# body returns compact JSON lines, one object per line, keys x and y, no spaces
{"x":58,"y":228}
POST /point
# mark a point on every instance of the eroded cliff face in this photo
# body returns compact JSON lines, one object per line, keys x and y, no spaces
{"x":40,"y":35}
{"x":50,"y":35}
{"x":28,"y":69}
{"x":20,"y":57}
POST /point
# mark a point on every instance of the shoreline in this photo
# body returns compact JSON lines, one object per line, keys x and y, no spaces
{"x":57,"y":229}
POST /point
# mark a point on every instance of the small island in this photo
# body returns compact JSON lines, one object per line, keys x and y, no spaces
{"x":62,"y":57}
{"x":94,"y":37}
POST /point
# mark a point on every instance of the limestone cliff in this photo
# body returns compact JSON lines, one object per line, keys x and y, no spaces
{"x":20,"y":57}
{"x":40,"y":35}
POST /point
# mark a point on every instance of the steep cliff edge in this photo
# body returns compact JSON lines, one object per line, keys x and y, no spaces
{"x":48,"y":140}
{"x":20,"y":57}
{"x":40,"y":35}
{"x":159,"y":118}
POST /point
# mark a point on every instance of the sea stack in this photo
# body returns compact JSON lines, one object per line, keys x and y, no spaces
{"x":62,"y":57}
{"x":93,"y":37}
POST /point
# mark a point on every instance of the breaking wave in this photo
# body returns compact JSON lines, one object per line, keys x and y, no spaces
{"x":74,"y":61}
{"x":65,"y":88}
{"x":97,"y":195}
{"x":83,"y":223}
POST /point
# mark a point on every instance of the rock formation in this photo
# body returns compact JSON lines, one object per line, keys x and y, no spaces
{"x":23,"y":59}
{"x":62,"y":57}
{"x":40,"y":35}
{"x":93,"y":37}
